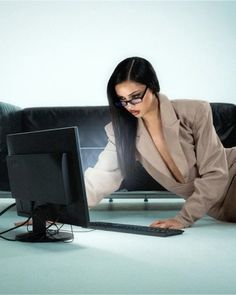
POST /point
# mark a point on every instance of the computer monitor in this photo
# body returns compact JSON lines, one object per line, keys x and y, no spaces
{"x":46,"y":179}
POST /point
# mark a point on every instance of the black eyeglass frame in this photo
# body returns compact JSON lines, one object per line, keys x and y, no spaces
{"x":123,"y":103}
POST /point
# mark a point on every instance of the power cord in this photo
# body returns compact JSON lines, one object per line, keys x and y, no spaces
{"x":6,"y":231}
{"x":6,"y":209}
{"x":49,"y":232}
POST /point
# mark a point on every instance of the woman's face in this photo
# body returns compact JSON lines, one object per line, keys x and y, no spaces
{"x":131,"y":90}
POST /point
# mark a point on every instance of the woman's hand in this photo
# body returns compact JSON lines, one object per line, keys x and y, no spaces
{"x":167,"y":223}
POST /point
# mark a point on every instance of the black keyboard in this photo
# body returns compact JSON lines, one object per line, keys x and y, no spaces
{"x":135,"y":229}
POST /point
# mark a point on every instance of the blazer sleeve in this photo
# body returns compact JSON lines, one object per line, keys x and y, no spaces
{"x":105,"y":177}
{"x":212,"y":165}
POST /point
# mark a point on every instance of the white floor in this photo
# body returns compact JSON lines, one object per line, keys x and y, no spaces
{"x":200,"y":261}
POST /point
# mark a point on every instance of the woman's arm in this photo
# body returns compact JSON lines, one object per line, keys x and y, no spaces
{"x":212,"y":167}
{"x":213,"y":172}
{"x":105,"y":177}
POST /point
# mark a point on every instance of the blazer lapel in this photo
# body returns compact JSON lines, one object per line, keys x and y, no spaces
{"x":170,"y":125}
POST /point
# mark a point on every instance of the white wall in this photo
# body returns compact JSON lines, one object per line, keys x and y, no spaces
{"x":63,"y":52}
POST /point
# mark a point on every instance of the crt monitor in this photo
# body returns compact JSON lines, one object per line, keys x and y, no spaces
{"x":46,"y":179}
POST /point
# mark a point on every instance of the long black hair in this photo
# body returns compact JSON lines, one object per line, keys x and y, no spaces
{"x":138,"y":70}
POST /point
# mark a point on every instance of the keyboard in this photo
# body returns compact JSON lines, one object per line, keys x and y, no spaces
{"x":135,"y":229}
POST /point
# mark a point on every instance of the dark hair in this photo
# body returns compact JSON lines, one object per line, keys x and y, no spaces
{"x":139,"y":70}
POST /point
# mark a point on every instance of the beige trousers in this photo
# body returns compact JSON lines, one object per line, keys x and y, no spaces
{"x":227,"y":207}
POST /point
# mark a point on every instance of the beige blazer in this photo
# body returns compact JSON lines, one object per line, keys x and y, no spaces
{"x":208,"y":169}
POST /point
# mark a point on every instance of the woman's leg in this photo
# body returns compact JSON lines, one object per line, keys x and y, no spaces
{"x":229,"y":207}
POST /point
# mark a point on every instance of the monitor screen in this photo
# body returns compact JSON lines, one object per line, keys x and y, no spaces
{"x":46,"y":179}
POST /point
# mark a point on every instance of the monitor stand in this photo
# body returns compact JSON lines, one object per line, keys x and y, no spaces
{"x":40,"y":233}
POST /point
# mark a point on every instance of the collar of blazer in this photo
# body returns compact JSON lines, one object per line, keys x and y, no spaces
{"x":147,"y":148}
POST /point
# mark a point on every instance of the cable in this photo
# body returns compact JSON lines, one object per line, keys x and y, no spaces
{"x":80,"y":231}
{"x":57,"y":231}
{"x":77,"y":231}
{"x":49,"y":232}
{"x":6,"y":209}
{"x":7,"y":239}
{"x":6,"y":231}
{"x":3,"y":232}
{"x":70,"y":241}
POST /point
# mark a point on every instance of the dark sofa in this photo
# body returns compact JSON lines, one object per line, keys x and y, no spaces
{"x":91,"y":121}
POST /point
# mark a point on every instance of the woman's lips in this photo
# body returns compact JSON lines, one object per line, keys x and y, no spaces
{"x":134,"y":112}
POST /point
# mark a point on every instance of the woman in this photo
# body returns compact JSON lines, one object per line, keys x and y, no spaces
{"x":174,"y":140}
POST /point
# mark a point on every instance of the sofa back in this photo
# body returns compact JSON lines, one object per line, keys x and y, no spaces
{"x":10,"y":122}
{"x":91,"y":121}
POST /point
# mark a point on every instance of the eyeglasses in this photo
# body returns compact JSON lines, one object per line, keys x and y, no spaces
{"x":135,"y":100}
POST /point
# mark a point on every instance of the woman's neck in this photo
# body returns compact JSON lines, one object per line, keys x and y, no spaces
{"x":152,"y":119}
